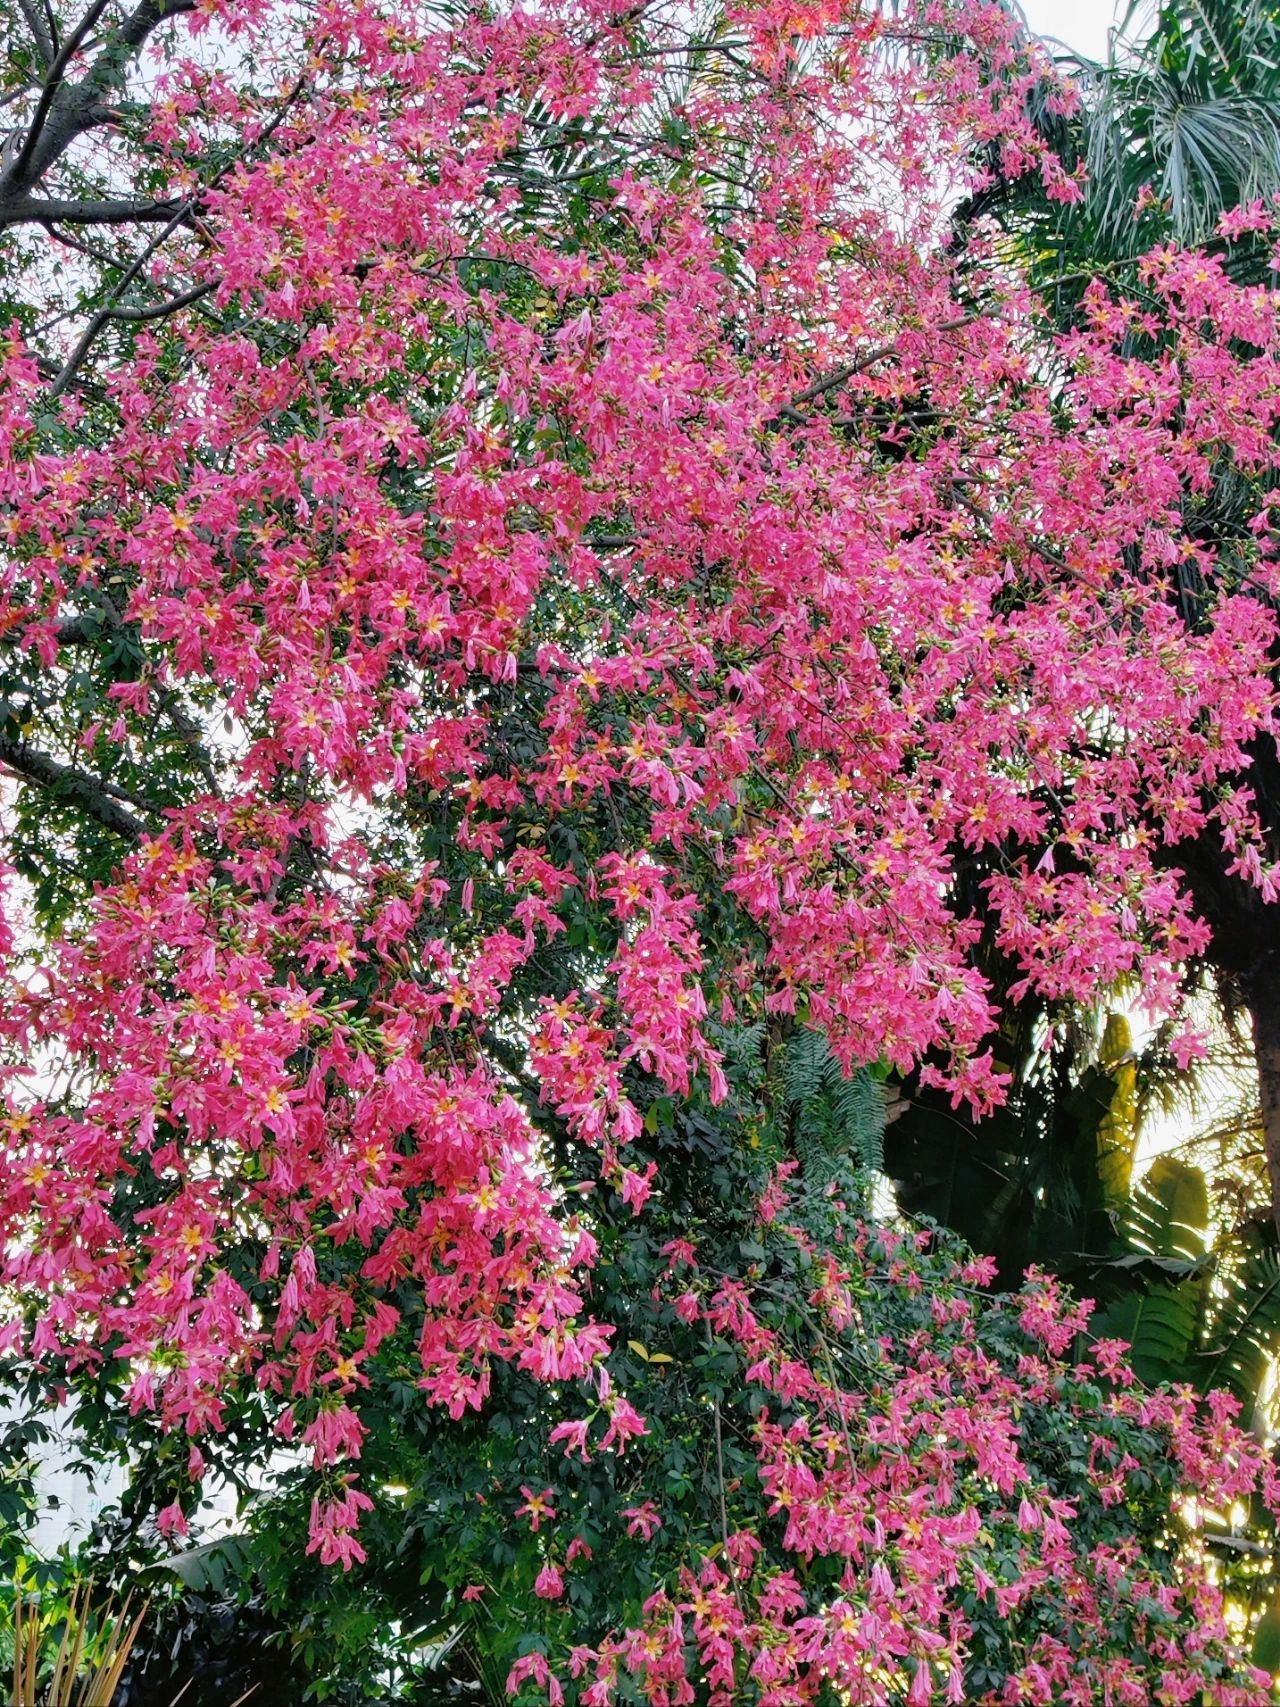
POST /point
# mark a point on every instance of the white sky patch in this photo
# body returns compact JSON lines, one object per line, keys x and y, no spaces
{"x":1080,"y":25}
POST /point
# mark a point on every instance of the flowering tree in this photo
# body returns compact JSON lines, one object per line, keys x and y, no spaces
{"x":514,"y":598}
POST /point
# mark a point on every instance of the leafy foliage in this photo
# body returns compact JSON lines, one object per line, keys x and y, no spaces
{"x":1163,"y":1221}
{"x":1191,"y":112}
{"x":1243,"y":1335}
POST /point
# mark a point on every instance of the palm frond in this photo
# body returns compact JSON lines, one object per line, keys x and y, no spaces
{"x":1243,"y":1333}
{"x":835,"y":1114}
{"x":1161,"y":1314}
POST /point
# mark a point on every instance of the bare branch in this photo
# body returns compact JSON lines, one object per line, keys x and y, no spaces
{"x":189,"y":734}
{"x":67,"y":375}
{"x":104,"y":315}
{"x":158,"y":310}
{"x":41,"y":210}
{"x":101,"y":256}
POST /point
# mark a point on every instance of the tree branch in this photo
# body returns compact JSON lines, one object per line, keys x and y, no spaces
{"x":66,"y":110}
{"x":71,"y":784}
{"x":158,"y":310}
{"x":840,"y":376}
{"x":185,"y":211}
{"x":189,"y":735}
{"x":72,"y":364}
{"x":39,"y":32}
{"x":17,"y":173}
{"x":40,"y":210}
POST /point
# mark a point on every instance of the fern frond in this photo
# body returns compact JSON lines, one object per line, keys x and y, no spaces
{"x":835,"y":1114}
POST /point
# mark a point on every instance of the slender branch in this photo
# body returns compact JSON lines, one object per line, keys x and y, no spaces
{"x":51,"y":20}
{"x":142,"y":801}
{"x":724,"y":1509}
{"x":158,"y":310}
{"x":189,"y":734}
{"x":104,"y":314}
{"x":184,"y":212}
{"x":1037,"y":544}
{"x":101,"y":256}
{"x":840,"y":376}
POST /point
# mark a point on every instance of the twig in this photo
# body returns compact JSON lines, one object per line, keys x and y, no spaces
{"x":841,"y":375}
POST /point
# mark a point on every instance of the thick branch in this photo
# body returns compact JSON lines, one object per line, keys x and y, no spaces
{"x":22,"y":170}
{"x":40,"y":210}
{"x":71,"y":784}
{"x":65,"y":110}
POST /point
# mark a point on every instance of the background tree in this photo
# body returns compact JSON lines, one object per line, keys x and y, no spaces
{"x":1174,"y":130}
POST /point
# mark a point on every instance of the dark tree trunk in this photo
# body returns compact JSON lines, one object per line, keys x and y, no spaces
{"x":1264,"y":1006}
{"x":1244,"y":955}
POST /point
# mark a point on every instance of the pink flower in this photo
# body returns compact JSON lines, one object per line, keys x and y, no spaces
{"x":535,"y":1666}
{"x":170,"y":1521}
{"x":334,"y":1520}
{"x":549,"y":1583}
{"x":536,"y":1506}
{"x":687,"y":1307}
{"x":642,"y":1520}
{"x":1187,"y":1045}
{"x":625,"y":1423}
{"x":634,"y":1188}
{"x":574,"y":1434}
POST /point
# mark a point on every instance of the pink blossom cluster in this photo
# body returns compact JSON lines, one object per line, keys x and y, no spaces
{"x":913,"y":1485}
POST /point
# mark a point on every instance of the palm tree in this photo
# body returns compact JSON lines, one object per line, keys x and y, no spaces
{"x":1176,"y":125}
{"x":1191,"y":110}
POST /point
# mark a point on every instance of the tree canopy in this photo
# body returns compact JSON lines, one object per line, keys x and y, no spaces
{"x":529,"y":559}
